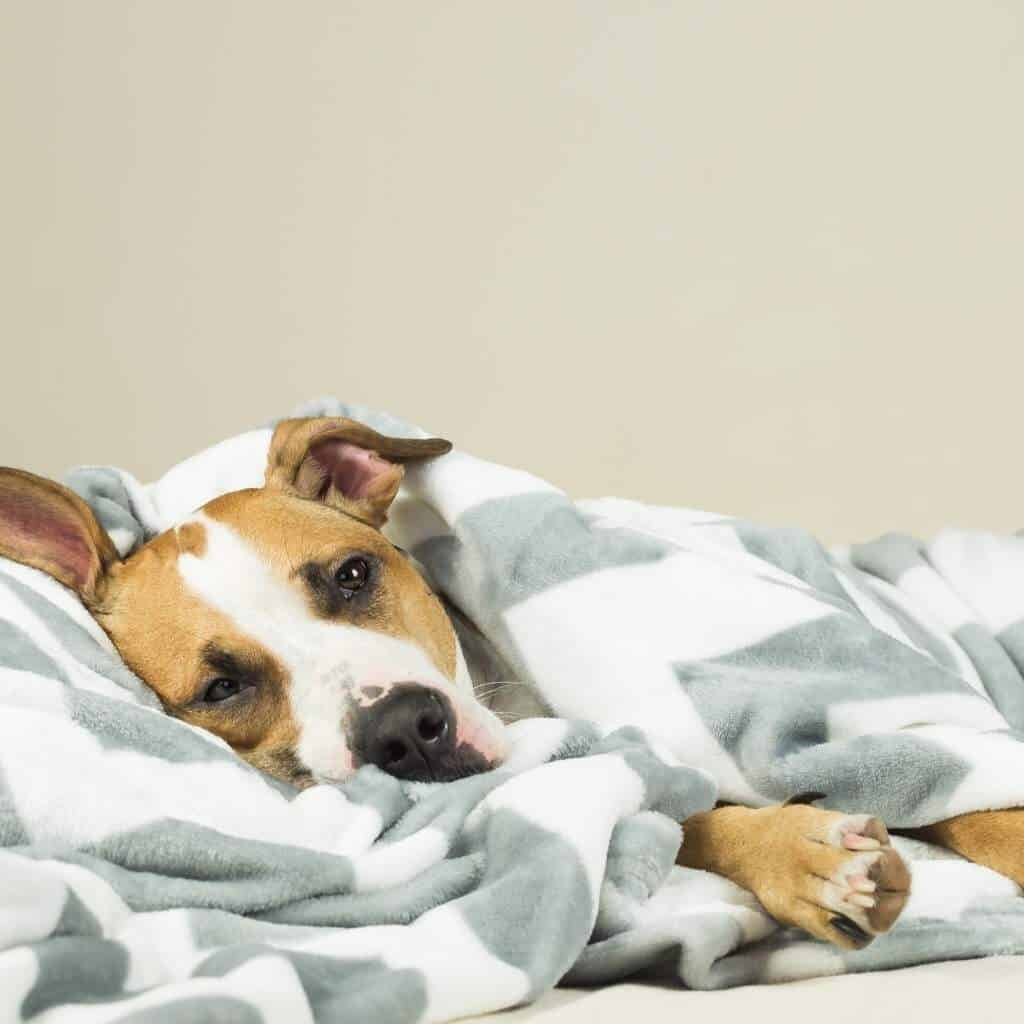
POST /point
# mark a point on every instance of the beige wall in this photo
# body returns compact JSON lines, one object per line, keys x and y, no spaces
{"x":759,"y":257}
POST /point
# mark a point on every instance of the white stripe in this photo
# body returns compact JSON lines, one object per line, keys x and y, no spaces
{"x":99,"y":898}
{"x":872,"y":610}
{"x":996,"y":778}
{"x":161,"y":948}
{"x":70,"y":802}
{"x":944,"y":890}
{"x":57,"y":594}
{"x":920,"y":612}
{"x":987,"y":569}
{"x":579,"y":799}
{"x":29,"y":690}
{"x":233,"y":465}
{"x":19,"y":972}
{"x":457,"y":482}
{"x":39,"y":633}
{"x":931,"y":591}
{"x":533,"y":741}
{"x":849,"y":719}
{"x":394,"y":863}
{"x":462,"y":976}
{"x":32,"y":898}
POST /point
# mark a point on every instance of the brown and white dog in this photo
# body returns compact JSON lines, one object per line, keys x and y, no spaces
{"x":282,"y":620}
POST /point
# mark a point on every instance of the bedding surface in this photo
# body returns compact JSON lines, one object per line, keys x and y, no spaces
{"x":147,"y":868}
{"x":948,"y":993}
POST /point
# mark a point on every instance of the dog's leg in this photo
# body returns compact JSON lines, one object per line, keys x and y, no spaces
{"x":834,"y":875}
{"x":992,"y":838}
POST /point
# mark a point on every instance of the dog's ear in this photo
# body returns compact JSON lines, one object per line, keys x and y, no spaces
{"x":48,"y":527}
{"x":344,"y":463}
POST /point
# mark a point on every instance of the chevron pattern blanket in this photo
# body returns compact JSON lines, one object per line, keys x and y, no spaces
{"x":148,"y":872}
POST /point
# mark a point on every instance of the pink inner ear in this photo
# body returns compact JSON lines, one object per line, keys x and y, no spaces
{"x":354,"y":471}
{"x":37,"y":531}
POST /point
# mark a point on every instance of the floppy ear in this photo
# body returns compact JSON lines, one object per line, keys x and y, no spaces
{"x":48,"y":527}
{"x":344,"y":464}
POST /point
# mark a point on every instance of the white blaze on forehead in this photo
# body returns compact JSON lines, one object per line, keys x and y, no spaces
{"x":326,"y":660}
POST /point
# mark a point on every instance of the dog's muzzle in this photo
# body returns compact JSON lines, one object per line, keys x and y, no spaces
{"x":411,"y":734}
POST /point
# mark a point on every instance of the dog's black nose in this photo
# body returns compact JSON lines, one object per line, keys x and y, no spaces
{"x":409,"y":734}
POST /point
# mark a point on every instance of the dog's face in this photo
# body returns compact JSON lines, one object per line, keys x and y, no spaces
{"x":280,"y":619}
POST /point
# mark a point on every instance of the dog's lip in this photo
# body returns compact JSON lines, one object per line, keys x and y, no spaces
{"x":471,"y":731}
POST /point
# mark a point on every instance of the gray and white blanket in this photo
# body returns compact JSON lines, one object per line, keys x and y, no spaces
{"x":148,"y":872}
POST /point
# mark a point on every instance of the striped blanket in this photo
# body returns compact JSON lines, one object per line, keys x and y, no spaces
{"x":149,"y":874}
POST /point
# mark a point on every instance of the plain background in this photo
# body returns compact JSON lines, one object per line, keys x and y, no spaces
{"x":763,"y":258}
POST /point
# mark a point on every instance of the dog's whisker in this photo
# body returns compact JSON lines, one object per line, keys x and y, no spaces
{"x":489,"y":689}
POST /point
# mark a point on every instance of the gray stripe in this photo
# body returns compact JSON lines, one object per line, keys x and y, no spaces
{"x":768,"y":705}
{"x":103,"y":490}
{"x":18,"y":650}
{"x":540,"y":938}
{"x":510,"y":549}
{"x":78,"y":643}
{"x":676,"y":790}
{"x":506,"y":550}
{"x":684,"y":948}
{"x":116,"y":724}
{"x":398,"y":904}
{"x":338,"y":989}
{"x":796,"y":552}
{"x":889,"y":556}
{"x":988,"y":931}
{"x":446,"y":807}
{"x":76,"y":918}
{"x":212,"y":869}
{"x":371,"y":787}
{"x":641,"y":853}
{"x":914,"y":631}
{"x":75,"y":969}
{"x":999,"y":673}
{"x":121,"y":725}
{"x":12,"y":831}
{"x":902,"y":778}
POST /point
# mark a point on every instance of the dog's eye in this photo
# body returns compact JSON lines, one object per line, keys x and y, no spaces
{"x":222,"y":689}
{"x":353,"y":575}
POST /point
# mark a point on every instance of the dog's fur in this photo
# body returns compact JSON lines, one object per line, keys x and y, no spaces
{"x":283,"y":621}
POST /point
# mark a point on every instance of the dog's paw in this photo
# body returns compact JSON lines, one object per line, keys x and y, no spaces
{"x":834,"y":875}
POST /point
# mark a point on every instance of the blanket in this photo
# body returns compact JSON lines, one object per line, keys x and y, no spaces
{"x":147,"y":871}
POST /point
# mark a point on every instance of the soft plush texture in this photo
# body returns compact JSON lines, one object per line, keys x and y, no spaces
{"x":144,"y":860}
{"x":145,"y":865}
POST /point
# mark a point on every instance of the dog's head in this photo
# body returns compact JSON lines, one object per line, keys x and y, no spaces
{"x":280,"y":618}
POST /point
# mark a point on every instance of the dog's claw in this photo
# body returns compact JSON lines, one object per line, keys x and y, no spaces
{"x":850,"y":929}
{"x":804,"y":798}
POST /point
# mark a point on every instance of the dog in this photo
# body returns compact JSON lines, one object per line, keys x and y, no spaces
{"x":282,"y":620}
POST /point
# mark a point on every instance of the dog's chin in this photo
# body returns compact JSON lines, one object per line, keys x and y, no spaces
{"x":460,"y":764}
